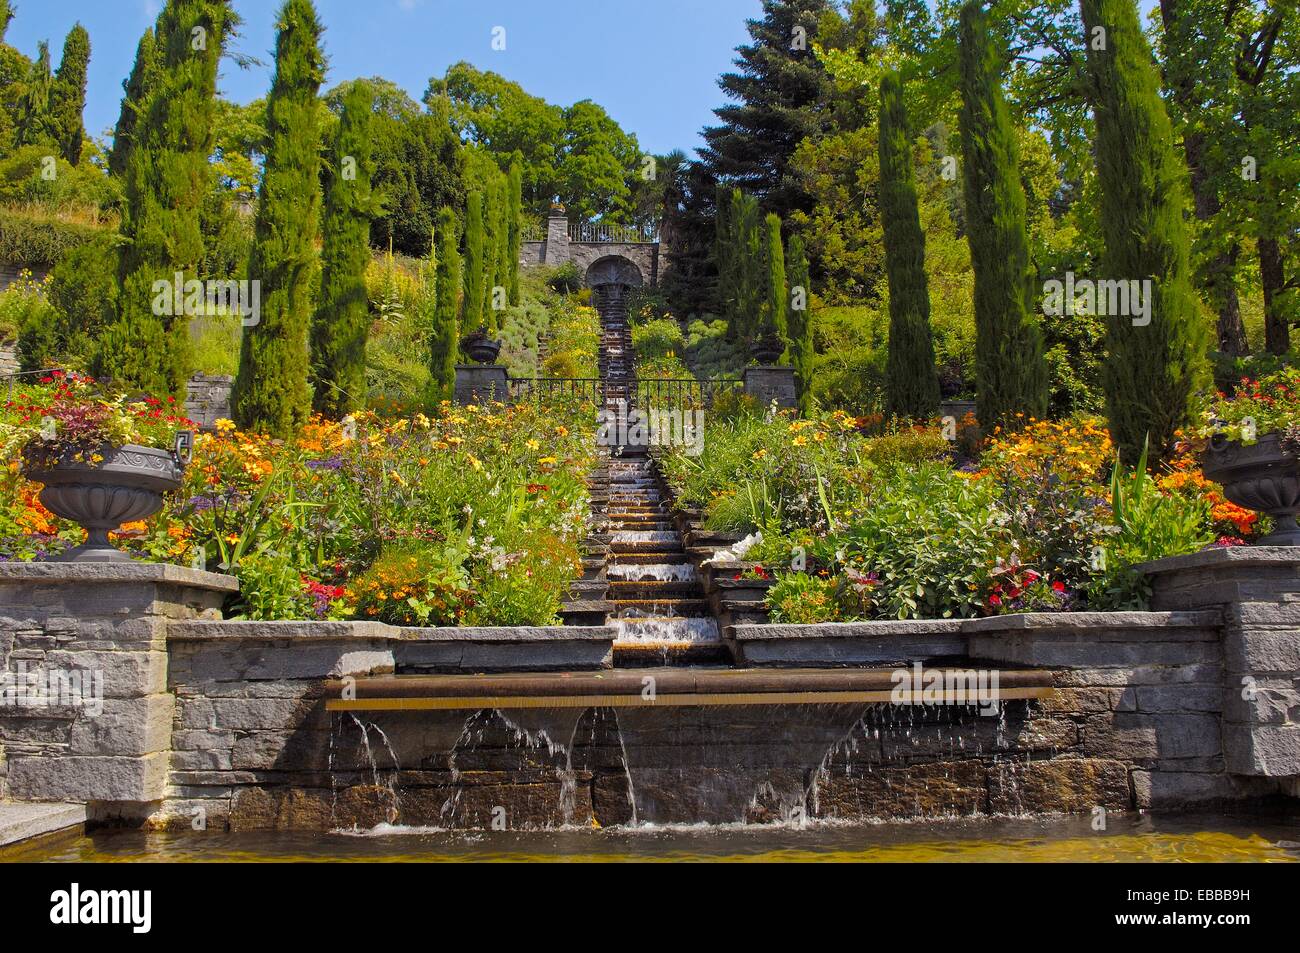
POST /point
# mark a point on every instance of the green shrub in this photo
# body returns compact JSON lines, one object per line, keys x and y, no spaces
{"x":566,"y":279}
{"x":36,"y":239}
{"x":660,"y":337}
{"x":801,"y":599}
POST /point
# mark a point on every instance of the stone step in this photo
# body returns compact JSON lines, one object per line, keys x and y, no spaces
{"x":624,"y":591}
{"x":640,"y":608}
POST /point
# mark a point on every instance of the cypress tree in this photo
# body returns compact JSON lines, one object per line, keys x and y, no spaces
{"x":1154,"y":368}
{"x":167,"y":179}
{"x":444,"y":339}
{"x":912,"y":385}
{"x":35,"y":123}
{"x":1010,"y":371}
{"x":502,"y":268}
{"x":491,"y":259}
{"x":774,"y":306}
{"x":68,"y":94}
{"x":6,"y":14}
{"x":136,"y":87}
{"x":338,"y":336}
{"x":272,"y":393}
{"x":724,"y":246}
{"x":515,"y":212}
{"x":800,"y":323}
{"x":474,"y":317}
{"x":749,"y":265}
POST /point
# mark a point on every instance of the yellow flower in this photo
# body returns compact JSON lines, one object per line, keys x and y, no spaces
{"x":475,"y":462}
{"x":224,"y":426}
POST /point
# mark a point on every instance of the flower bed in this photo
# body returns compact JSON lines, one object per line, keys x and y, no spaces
{"x":862,"y":520}
{"x":471,"y":516}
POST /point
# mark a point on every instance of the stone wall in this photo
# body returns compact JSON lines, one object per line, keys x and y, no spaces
{"x":558,"y":249}
{"x":250,"y":725}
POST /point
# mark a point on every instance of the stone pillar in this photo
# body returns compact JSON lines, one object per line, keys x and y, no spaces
{"x":770,"y":383}
{"x":85,"y":712}
{"x":1258,"y":590}
{"x":556,"y":250}
{"x":477,"y":383}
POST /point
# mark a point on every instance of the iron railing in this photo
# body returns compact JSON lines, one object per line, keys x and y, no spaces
{"x":542,"y":389}
{"x":607,"y":232}
{"x":681,"y":392}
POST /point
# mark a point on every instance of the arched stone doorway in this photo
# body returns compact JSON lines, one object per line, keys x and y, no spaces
{"x":614,"y":270}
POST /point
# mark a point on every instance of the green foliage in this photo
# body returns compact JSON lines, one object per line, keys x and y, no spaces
{"x":38,"y":239}
{"x":1153,"y":371}
{"x":1011,"y":375}
{"x":68,"y":94}
{"x":1148,"y":525}
{"x":661,"y":337}
{"x":800,"y":322}
{"x":710,"y":351}
{"x":167,"y":182}
{"x":35,"y":124}
{"x":26,"y":314}
{"x":514,"y":221}
{"x":578,"y":152}
{"x":272,"y":392}
{"x":912,"y":385}
{"x":83,"y":292}
{"x":341,"y":323}
{"x":444,"y":339}
{"x":80,"y":193}
{"x":773,"y":312}
{"x":565,"y":279}
{"x":475,"y":317}
{"x":800,"y":599}
{"x":135,"y":88}
{"x":774,"y":102}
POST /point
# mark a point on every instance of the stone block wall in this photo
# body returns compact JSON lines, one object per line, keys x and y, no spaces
{"x":100,"y":629}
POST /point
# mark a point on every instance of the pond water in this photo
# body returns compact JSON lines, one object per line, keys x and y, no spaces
{"x":1127,"y":838}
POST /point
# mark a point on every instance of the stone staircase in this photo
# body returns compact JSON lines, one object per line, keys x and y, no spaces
{"x":651,"y":588}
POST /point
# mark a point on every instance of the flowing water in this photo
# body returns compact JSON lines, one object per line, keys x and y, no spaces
{"x":1137,"y":838}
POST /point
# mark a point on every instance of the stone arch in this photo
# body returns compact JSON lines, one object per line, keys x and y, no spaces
{"x":614,"y":270}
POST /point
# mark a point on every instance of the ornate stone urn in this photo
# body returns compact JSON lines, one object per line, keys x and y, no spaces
{"x":767,"y":350}
{"x":1262,"y":477}
{"x":481,"y":348}
{"x":125,"y":486}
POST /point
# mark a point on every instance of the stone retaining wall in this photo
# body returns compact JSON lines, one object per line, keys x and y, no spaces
{"x":225,"y":724}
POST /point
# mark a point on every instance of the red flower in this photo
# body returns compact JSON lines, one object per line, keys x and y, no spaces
{"x":995,"y":601}
{"x":1058,"y":586}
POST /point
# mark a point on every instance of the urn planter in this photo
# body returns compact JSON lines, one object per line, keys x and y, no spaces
{"x":767,"y":350}
{"x":126,"y":485}
{"x":1261,"y":477}
{"x":481,"y":348}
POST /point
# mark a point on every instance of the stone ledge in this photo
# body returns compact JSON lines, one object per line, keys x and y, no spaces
{"x":116,"y":574}
{"x":847,"y":630}
{"x":20,"y":821}
{"x":1073,"y":621}
{"x":1225,"y":556}
{"x":210,"y":631}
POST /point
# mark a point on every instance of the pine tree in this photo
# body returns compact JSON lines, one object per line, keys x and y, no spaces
{"x":912,"y":385}
{"x":1010,"y":371}
{"x":444,"y":339}
{"x":516,"y":211}
{"x":774,"y":290}
{"x":68,"y":94}
{"x":35,"y":124}
{"x":800,"y":323}
{"x":272,"y":393}
{"x":338,"y":338}
{"x":136,"y":87}
{"x":1156,"y":363}
{"x":167,"y":179}
{"x":474,"y":316}
{"x":777,"y":98}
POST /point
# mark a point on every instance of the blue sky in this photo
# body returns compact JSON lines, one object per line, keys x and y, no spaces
{"x":652,"y":64}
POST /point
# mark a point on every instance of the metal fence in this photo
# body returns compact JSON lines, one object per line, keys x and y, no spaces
{"x":681,"y":392}
{"x":605,"y":232}
{"x":542,"y":389}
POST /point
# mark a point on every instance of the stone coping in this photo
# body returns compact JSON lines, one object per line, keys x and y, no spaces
{"x":23,"y":820}
{"x":884,"y":628}
{"x":1047,"y":621}
{"x":1225,"y":557}
{"x":116,"y":574}
{"x":244,"y":631}
{"x":667,"y":681}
